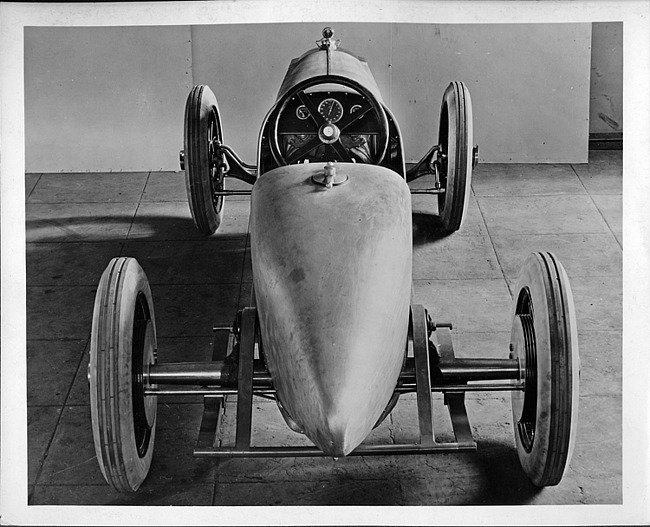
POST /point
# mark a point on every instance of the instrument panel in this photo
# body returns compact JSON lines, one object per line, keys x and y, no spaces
{"x":332,"y":106}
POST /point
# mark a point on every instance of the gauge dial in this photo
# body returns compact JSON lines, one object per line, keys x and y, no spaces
{"x":331,"y":110}
{"x":302,"y":112}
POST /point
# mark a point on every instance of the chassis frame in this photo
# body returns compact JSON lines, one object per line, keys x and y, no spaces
{"x":430,"y":369}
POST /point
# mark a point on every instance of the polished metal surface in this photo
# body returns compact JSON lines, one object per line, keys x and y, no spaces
{"x":420,"y":337}
{"x":400,"y":388}
{"x":332,"y":277}
{"x":188,"y":373}
{"x":362,"y":450}
{"x":323,"y":62}
{"x":488,"y":374}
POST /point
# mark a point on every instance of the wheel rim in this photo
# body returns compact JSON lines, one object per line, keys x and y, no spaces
{"x":524,"y":348}
{"x":442,"y":162}
{"x":216,"y":172}
{"x":143,"y":355}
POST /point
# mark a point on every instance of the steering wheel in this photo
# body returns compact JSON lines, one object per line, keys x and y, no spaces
{"x":325,"y":131}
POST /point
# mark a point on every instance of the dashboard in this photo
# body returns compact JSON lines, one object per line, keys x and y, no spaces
{"x":297,"y":128}
{"x":332,"y":106}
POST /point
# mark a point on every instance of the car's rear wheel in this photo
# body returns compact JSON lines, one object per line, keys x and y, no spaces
{"x":204,"y":171}
{"x":455,"y":136}
{"x":544,"y":340}
{"x":123,"y":345}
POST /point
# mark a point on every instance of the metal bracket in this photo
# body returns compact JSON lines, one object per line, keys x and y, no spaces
{"x":426,"y":165}
{"x":422,"y":374}
{"x":419,"y":332}
{"x":235,"y":167}
{"x":245,"y":381}
{"x":455,"y":401}
{"x":213,"y":406}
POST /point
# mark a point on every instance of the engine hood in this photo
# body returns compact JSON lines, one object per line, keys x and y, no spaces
{"x":340,"y":63}
{"x":332,"y":279}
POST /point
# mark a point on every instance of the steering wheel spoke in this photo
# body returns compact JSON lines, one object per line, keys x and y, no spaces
{"x":341,"y":153}
{"x":352,"y":118}
{"x":328,"y":133}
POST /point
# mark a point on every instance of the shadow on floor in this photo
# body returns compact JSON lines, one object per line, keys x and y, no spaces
{"x":503,"y":480}
{"x":427,"y":228}
{"x":117,"y":228}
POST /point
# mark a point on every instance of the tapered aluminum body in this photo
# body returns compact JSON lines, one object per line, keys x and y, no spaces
{"x":332,"y":278}
{"x":338,"y":63}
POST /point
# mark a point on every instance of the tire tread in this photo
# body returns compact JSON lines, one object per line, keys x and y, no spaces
{"x":107,"y":418}
{"x":206,"y":218}
{"x":544,"y":276}
{"x":456,"y":99}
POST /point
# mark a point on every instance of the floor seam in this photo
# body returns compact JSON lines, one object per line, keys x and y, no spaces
{"x":102,"y":202}
{"x":33,"y":188}
{"x":213,"y":496}
{"x":529,"y":195}
{"x":493,"y":279}
{"x":496,"y":255}
{"x":597,"y":207}
{"x":63,"y":406}
{"x":137,"y":208}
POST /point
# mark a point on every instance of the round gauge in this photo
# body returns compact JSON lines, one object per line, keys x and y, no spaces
{"x":355,"y":108}
{"x":331,"y":110}
{"x":302,"y":112}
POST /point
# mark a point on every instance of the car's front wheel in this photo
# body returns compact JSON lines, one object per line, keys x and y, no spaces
{"x":455,"y":136}
{"x":204,"y":167}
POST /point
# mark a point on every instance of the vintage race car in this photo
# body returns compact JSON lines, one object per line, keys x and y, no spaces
{"x":331,"y":331}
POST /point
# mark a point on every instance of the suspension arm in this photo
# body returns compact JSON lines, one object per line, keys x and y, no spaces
{"x":236,"y":167}
{"x":425,"y":166}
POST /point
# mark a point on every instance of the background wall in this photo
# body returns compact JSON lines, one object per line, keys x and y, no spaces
{"x":112,"y":98}
{"x":105,"y":98}
{"x":606,"y":100}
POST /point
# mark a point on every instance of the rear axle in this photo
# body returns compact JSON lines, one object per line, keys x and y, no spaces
{"x":220,"y":378}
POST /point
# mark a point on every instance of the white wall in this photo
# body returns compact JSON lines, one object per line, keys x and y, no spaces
{"x":105,"y":98}
{"x":529,"y":85}
{"x":112,"y":98}
{"x":606,"y":100}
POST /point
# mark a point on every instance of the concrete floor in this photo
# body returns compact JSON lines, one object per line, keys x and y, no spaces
{"x":77,"y":222}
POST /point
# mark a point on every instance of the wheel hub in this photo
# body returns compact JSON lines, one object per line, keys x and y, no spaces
{"x":143,"y":354}
{"x":329,"y":133}
{"x":523,"y":348}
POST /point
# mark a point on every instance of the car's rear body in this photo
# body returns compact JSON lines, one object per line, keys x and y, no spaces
{"x":332,"y":279}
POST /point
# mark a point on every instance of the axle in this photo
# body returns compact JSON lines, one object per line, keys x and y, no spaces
{"x":220,"y":378}
{"x":362,"y":450}
{"x":428,"y":191}
{"x":400,"y":388}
